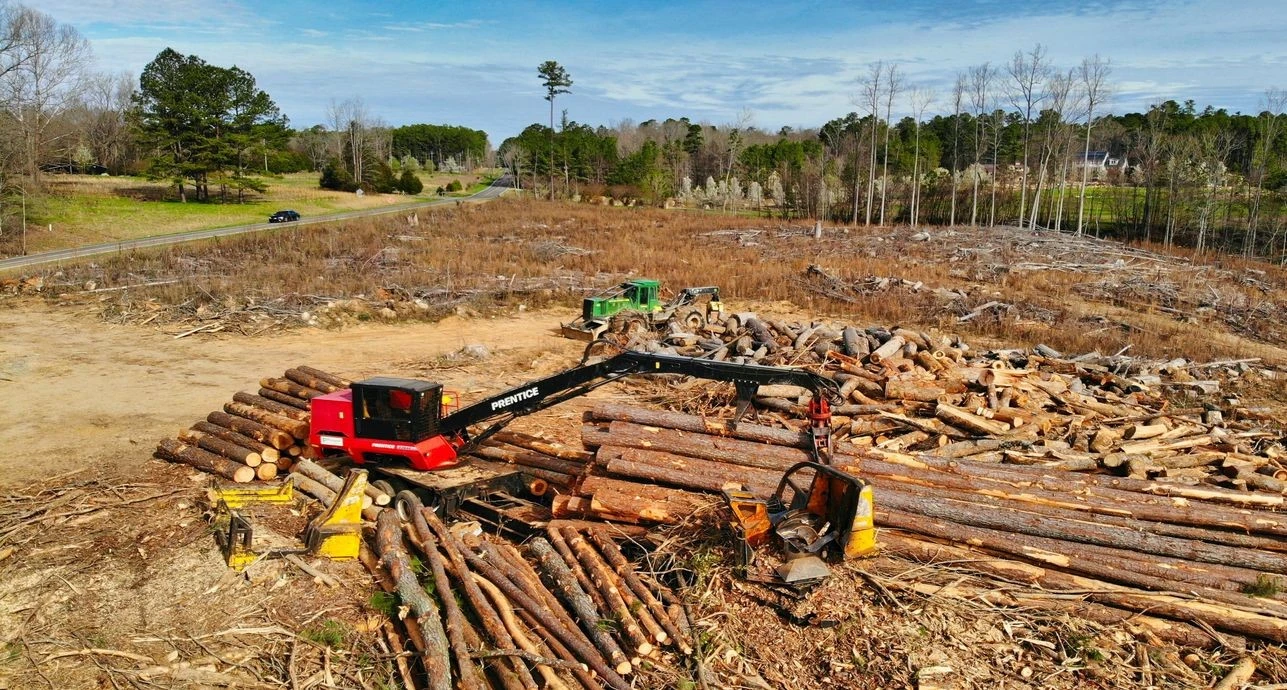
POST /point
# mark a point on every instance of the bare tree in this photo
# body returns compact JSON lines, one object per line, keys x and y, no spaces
{"x":958,"y":97}
{"x":921,"y":98}
{"x":1213,"y":149}
{"x":871,"y":98}
{"x":1093,"y":75}
{"x":50,"y":73}
{"x":1028,"y":73}
{"x":350,"y":120}
{"x":103,"y":119}
{"x":1274,"y":103}
{"x":980,"y":88}
{"x":891,"y":90}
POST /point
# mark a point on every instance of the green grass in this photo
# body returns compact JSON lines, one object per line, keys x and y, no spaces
{"x":330,"y":633}
{"x":81,"y":209}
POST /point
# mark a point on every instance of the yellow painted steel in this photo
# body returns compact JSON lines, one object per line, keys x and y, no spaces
{"x":240,"y":496}
{"x":862,"y":532}
{"x":337,"y":533}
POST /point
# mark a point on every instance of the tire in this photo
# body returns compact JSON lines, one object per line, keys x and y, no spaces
{"x":629,"y":323}
{"x":691,"y":319}
{"x":404,"y":501}
{"x":384,"y":487}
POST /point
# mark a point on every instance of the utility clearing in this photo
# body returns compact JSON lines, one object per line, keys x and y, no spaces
{"x":1075,"y":452}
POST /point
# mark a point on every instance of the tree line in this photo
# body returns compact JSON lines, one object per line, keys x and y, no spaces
{"x":209,"y":130}
{"x":1018,"y":142}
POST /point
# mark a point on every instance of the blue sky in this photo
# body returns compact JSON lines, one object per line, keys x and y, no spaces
{"x":788,"y":62}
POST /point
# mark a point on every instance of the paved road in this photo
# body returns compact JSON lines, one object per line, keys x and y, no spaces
{"x":496,"y":189}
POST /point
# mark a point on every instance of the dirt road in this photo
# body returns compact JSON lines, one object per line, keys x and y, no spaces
{"x":81,"y":393}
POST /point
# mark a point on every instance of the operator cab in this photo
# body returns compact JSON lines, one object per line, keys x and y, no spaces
{"x":385,"y":417}
{"x":396,"y":409}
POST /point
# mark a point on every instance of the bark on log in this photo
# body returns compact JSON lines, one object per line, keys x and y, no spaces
{"x":561,"y":580}
{"x":613,"y":499}
{"x":467,"y":673}
{"x":217,"y":445}
{"x":1111,"y":565}
{"x":762,"y":335}
{"x":596,"y":571}
{"x":890,"y":348}
{"x":1166,"y":605}
{"x":178,"y":451}
{"x":314,"y":488}
{"x":626,"y":571}
{"x":304,"y":378}
{"x":277,"y":408}
{"x":266,"y":452}
{"x":436,"y":655}
{"x":540,"y":612}
{"x":316,"y":472}
{"x":967,"y":420}
{"x":294,"y":427}
{"x":540,"y":445}
{"x":264,"y":434}
{"x":515,"y":631}
{"x":1009,"y":519}
{"x":284,"y":398}
{"x":321,"y":375}
{"x":528,"y":458}
{"x":486,"y":615}
{"x":290,"y":388}
{"x":718,"y":427}
{"x":565,"y":552}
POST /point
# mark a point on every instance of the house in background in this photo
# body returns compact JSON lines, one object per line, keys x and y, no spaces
{"x":1103,"y":164}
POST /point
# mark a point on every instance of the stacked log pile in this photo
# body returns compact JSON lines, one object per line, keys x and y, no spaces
{"x":1208,"y":556}
{"x":254,"y":436}
{"x":907,"y":390}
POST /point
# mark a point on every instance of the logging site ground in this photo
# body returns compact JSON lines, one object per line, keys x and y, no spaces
{"x":109,"y":576}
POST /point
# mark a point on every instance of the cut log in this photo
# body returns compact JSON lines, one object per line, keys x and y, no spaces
{"x":264,"y":434}
{"x":266,"y":452}
{"x":266,"y":471}
{"x":1170,"y":606}
{"x":277,"y":408}
{"x":290,"y":388}
{"x":540,"y":445}
{"x":1012,"y":520}
{"x":967,"y":420}
{"x":718,"y":427}
{"x":284,"y":398}
{"x":320,"y":375}
{"x":613,"y":499}
{"x":890,"y":348}
{"x":304,"y":378}
{"x":489,"y":618}
{"x":626,"y":571}
{"x":320,"y":474}
{"x":606,"y":581}
{"x":178,"y":451}
{"x":294,"y":427}
{"x":541,"y":612}
{"x":560,"y":579}
{"x":436,"y":655}
{"x":467,"y":677}
{"x":217,"y":445}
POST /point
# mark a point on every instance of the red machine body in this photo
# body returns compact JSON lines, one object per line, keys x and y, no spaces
{"x":332,"y":429}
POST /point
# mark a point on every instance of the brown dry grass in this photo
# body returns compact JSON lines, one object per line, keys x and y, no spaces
{"x":1073,"y":294}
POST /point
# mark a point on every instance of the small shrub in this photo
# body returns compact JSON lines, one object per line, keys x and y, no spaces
{"x":384,"y":602}
{"x":409,"y":183}
{"x":330,"y":633}
{"x":1264,"y":586}
{"x":454,"y":186}
{"x":335,"y":176}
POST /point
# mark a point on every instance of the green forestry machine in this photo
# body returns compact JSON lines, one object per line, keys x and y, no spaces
{"x":635,"y":306}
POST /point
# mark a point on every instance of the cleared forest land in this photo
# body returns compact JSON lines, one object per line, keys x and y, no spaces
{"x":116,"y":578}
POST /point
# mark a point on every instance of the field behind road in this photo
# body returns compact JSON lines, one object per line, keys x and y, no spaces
{"x":80,"y":210}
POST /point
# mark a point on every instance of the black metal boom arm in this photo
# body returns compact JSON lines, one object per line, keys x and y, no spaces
{"x":552,"y":390}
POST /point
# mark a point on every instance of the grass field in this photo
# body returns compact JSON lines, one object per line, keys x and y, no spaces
{"x":85,"y":209}
{"x":1074,"y":294}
